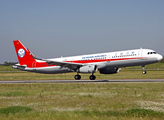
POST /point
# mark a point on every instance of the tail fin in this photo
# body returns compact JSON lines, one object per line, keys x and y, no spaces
{"x":25,"y":57}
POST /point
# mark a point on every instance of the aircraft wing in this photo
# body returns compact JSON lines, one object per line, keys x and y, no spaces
{"x":70,"y":65}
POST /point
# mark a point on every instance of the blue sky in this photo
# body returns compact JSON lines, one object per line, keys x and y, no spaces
{"x":54,"y":28}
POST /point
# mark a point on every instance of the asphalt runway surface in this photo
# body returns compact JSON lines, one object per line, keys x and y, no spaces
{"x":81,"y":81}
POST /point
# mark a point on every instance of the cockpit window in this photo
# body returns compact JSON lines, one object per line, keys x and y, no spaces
{"x":151,"y":53}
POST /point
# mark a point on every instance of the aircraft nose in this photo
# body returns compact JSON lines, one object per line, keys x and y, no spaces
{"x":160,"y":57}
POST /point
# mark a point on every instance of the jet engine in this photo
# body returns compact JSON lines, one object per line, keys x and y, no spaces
{"x":109,"y":71}
{"x":88,"y":69}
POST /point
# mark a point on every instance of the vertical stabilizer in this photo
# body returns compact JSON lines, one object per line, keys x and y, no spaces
{"x":25,"y":57}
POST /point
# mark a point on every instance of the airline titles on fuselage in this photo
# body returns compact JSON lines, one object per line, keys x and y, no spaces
{"x":93,"y":57}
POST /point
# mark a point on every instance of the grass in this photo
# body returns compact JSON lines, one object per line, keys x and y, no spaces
{"x":79,"y":101}
{"x":143,"y":112}
{"x":7,"y":68}
{"x":123,"y":74}
{"x":14,"y":110}
{"x":90,"y":101}
{"x":13,"y":94}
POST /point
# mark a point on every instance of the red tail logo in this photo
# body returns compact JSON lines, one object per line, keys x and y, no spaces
{"x":25,"y":57}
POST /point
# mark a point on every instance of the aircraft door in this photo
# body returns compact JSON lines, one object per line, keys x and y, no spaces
{"x":140,"y":53}
{"x":72,"y":60}
{"x":34,"y":65}
{"x":108,"y":57}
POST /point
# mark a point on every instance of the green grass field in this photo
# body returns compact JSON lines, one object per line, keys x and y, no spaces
{"x":123,"y":74}
{"x":85,"y":101}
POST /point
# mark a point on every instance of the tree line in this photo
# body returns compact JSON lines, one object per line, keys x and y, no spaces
{"x":8,"y":63}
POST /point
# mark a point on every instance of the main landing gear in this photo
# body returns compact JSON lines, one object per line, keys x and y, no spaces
{"x":92,"y":77}
{"x":143,"y":67}
{"x":78,"y":77}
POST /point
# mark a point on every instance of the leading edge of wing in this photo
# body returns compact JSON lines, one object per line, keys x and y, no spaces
{"x":62,"y":64}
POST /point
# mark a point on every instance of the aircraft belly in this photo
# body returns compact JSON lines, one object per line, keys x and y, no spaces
{"x":101,"y":65}
{"x":53,"y":70}
{"x":124,"y":63}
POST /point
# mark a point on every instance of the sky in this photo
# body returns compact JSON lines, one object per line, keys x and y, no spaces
{"x":55,"y":28}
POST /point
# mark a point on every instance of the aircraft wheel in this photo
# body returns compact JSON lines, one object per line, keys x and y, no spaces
{"x":92,"y":77}
{"x":77,"y":77}
{"x":144,"y":72}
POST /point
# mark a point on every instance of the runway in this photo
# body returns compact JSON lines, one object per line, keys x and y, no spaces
{"x":81,"y":81}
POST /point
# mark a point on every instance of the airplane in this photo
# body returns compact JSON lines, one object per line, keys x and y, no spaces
{"x":105,"y":63}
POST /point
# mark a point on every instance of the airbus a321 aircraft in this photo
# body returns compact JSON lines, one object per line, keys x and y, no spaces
{"x":105,"y":63}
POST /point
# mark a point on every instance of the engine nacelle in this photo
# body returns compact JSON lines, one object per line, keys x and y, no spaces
{"x":88,"y":69}
{"x":109,"y":71}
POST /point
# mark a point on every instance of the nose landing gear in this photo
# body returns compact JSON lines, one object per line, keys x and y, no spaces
{"x":143,"y":67}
